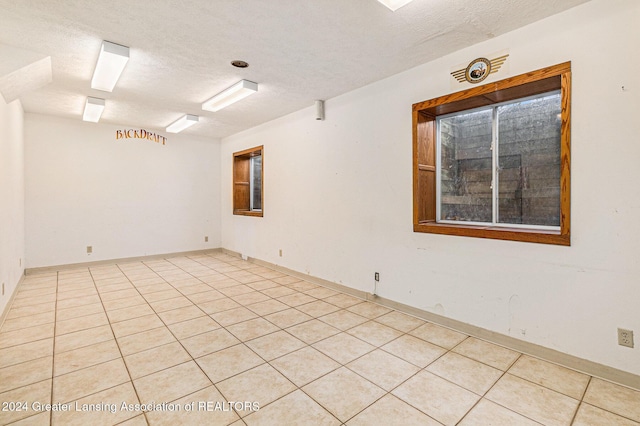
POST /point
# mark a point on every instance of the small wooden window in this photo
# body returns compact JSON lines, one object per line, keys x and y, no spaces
{"x":248,"y":173}
{"x":462,"y":187}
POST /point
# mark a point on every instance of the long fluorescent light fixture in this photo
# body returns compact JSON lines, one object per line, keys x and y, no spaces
{"x":395,"y":4}
{"x":233,"y":94}
{"x":111,"y":62}
{"x":182,"y":123}
{"x":93,"y":109}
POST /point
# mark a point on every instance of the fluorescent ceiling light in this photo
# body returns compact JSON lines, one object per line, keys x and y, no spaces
{"x":182,"y":123}
{"x":111,"y":62}
{"x":93,"y":109}
{"x":395,"y":4}
{"x":238,"y":91}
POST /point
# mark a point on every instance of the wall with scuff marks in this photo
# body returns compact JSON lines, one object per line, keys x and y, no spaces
{"x":338,"y":196}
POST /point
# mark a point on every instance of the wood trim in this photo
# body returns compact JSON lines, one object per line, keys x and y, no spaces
{"x":424,"y":140}
{"x":241,"y":184}
{"x":254,"y":213}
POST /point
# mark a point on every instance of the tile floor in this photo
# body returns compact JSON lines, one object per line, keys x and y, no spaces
{"x":211,"y":339}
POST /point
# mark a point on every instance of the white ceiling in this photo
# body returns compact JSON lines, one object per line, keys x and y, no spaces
{"x":298,"y":50}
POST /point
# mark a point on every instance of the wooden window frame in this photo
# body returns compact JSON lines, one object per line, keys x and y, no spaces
{"x":424,"y":153}
{"x":241,"y":182}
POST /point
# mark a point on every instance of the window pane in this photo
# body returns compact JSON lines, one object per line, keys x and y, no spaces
{"x":465,"y":167}
{"x":529,"y":161}
{"x":256,"y":182}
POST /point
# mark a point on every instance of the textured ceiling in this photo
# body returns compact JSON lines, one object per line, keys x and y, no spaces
{"x":298,"y":50}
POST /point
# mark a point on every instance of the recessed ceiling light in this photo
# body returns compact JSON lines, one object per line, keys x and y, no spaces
{"x":111,"y":63}
{"x":238,"y":91}
{"x":395,"y":4}
{"x":182,"y":123}
{"x":93,"y":109}
{"x":239,"y":64}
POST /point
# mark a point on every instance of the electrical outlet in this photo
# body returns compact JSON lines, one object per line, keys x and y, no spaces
{"x":206,"y":239}
{"x":89,"y":249}
{"x":376,"y":276}
{"x":625,"y":337}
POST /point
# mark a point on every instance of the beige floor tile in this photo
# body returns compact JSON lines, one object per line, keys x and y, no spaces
{"x":321,"y":292}
{"x":25,"y":373}
{"x":38,"y":393}
{"x":488,"y":353}
{"x":233,"y":316}
{"x":533,"y":401}
{"x":152,"y":285}
{"x":278,"y":292}
{"x":343,"y":319}
{"x":355,"y":393}
{"x":262,"y":384}
{"x":552,"y":376}
{"x":211,"y":341}
{"x":170,"y":304}
{"x":78,"y":301}
{"x":26,"y":352}
{"x":389,"y":410}
{"x":489,"y":413}
{"x":210,"y":408}
{"x":414,"y":350}
{"x":271,"y":274}
{"x":171,"y":384}
{"x":611,"y":397}
{"x":295,"y":408}
{"x":79,"y":339}
{"x":181,"y":314}
{"x":399,"y":321}
{"x":124,"y":303}
{"x":123,"y":314}
{"x":275,"y":345}
{"x":251,"y":329}
{"x":161,"y":295}
{"x":109,"y":401}
{"x":26,"y":335}
{"x":588,"y":415}
{"x":262,"y":285}
{"x":438,"y":398}
{"x":79,"y":311}
{"x":369,"y":310}
{"x":136,"y":325}
{"x":317,"y":308}
{"x":296,"y":299}
{"x":343,"y":347}
{"x":312,"y":331}
{"x":342,"y":300}
{"x":42,"y":419}
{"x":149,"y":339}
{"x":441,"y":336}
{"x":87,"y":356}
{"x":114,"y":286}
{"x":155,"y":359}
{"x":302,"y":286}
{"x":80,"y":383}
{"x":228,"y":362}
{"x":28,"y":301}
{"x":305,"y":365}
{"x":383,"y":369}
{"x":65,"y":293}
{"x":249,"y":298}
{"x":30,"y":321}
{"x":206,"y":296}
{"x":471,"y":375}
{"x":218,"y":305}
{"x":285,"y":280}
{"x":223,"y":283}
{"x":25,"y":292}
{"x":235,"y":290}
{"x":194,"y":289}
{"x":81,"y":323}
{"x":194,"y":326}
{"x":26,"y":311}
{"x":287,"y":318}
{"x":267,"y":307}
{"x":374,"y":333}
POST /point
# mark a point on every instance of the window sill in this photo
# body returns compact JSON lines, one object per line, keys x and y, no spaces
{"x":510,"y":234}
{"x":248,"y":213}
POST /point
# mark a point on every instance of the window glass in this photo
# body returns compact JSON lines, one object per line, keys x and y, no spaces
{"x":256,"y":182}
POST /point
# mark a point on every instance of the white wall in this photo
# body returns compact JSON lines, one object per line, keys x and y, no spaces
{"x":338,"y":196}
{"x":11,"y":198}
{"x":125,"y":198}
